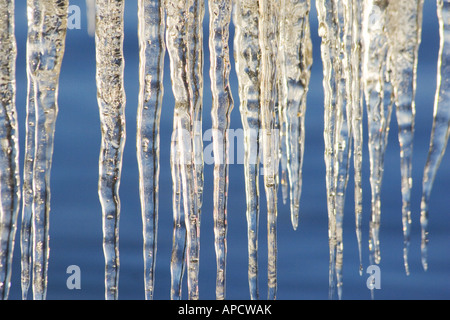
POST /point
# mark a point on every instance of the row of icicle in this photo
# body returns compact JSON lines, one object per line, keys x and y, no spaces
{"x":369,"y":49}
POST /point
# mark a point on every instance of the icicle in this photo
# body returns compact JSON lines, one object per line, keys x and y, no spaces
{"x":222,"y":104}
{"x":186,"y":106}
{"x":177,"y":262}
{"x":328,"y":33}
{"x":152,"y":49}
{"x":26,"y":241}
{"x":178,"y":258}
{"x":335,"y":28}
{"x":26,"y":233}
{"x":47,"y":22}
{"x":268,"y":10}
{"x":195,"y":74}
{"x":441,"y":122}
{"x":9,"y":162}
{"x":356,"y":119}
{"x":378,"y":93}
{"x":247,"y":55}
{"x":295,"y":53}
{"x":111,"y":101}
{"x":343,"y":127}
{"x":404,"y":34}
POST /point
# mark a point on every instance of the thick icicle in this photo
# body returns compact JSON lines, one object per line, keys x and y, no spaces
{"x":111,"y":100}
{"x":356,"y":119}
{"x":152,"y":49}
{"x":9,"y":161}
{"x":268,"y":10}
{"x":247,"y":55}
{"x":404,"y":28}
{"x":181,"y":62}
{"x":47,"y":23}
{"x":222,"y":104}
{"x":441,"y":122}
{"x":378,"y":93}
{"x":295,"y":53}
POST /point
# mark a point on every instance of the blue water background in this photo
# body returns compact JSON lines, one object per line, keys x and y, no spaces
{"x":75,"y":224}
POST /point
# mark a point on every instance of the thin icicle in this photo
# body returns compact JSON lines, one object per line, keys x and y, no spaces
{"x":295,"y":56}
{"x":441,"y":122}
{"x":356,"y":119}
{"x":343,"y":135}
{"x":378,"y":92}
{"x":47,"y":22}
{"x":328,"y":33}
{"x":177,"y":262}
{"x":196,"y":14}
{"x":26,"y":241}
{"x":9,"y":162}
{"x":268,"y":10}
{"x":152,"y":49}
{"x":222,"y":104}
{"x":178,"y":257}
{"x":284,"y":177}
{"x":180,"y":64}
{"x":195,"y":74}
{"x":111,"y":100}
{"x":247,"y":55}
{"x":280,"y":105}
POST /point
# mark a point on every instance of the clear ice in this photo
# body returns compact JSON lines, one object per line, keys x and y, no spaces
{"x":247,"y":55}
{"x":441,"y":123}
{"x":295,"y":61}
{"x":335,"y":29}
{"x":184,"y":45}
{"x":47,"y":26}
{"x":404,"y":29}
{"x":109,"y":36}
{"x":222,"y":104}
{"x":152,"y":48}
{"x":9,"y":161}
{"x":369,"y":51}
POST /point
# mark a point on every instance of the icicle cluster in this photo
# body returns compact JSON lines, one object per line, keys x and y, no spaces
{"x":335,"y":29}
{"x":383,"y":37}
{"x":273,"y":59}
{"x":369,"y":52}
{"x":389,"y":78}
{"x":185,"y":47}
